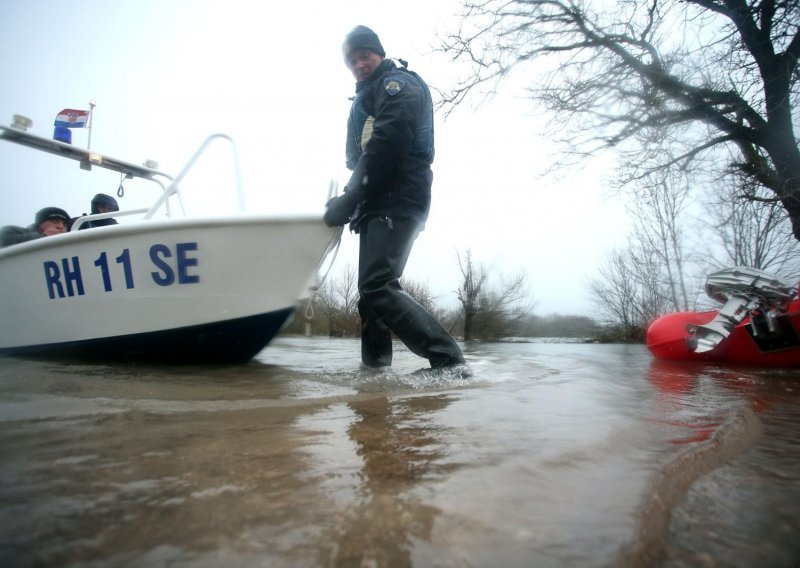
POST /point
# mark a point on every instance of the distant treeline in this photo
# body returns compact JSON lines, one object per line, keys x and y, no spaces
{"x":486,"y":311}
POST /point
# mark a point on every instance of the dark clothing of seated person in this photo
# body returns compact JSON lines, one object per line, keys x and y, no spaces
{"x":48,"y":221}
{"x":101,"y":203}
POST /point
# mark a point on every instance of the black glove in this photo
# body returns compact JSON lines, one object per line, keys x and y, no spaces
{"x":339,"y":209}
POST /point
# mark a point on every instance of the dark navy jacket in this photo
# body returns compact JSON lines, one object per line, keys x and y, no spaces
{"x":390,"y":145}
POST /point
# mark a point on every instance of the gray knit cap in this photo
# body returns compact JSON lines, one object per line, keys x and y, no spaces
{"x":361,"y":37}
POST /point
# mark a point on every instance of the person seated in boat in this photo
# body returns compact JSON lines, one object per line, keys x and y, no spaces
{"x":101,"y":203}
{"x":48,"y":221}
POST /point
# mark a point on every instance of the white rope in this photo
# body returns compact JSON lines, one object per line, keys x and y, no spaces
{"x":333,"y":246}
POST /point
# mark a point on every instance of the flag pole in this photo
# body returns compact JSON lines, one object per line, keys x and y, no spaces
{"x":92,"y":104}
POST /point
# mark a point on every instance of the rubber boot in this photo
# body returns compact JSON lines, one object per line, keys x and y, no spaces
{"x":376,"y":339}
{"x":384,"y":249}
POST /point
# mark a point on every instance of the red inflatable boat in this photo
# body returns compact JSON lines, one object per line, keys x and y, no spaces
{"x":758,"y":325}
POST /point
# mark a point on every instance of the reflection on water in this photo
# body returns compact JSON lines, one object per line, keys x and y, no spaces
{"x":741,"y":482}
{"x":551,"y":455}
{"x":397,"y":447}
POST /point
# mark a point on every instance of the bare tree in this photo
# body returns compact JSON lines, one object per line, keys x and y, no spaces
{"x":502,"y":308}
{"x":653,"y":289}
{"x":326,"y":306}
{"x":469,"y":292}
{"x":658,"y":218}
{"x":337,"y":302}
{"x":489,"y":312}
{"x":752,"y":233}
{"x":614,"y":293}
{"x":347,"y":290}
{"x":629,"y":291}
{"x":701,"y":75}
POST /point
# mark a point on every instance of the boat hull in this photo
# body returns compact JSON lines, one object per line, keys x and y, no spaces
{"x":232,"y":341}
{"x":668,"y":339}
{"x":188,"y":290}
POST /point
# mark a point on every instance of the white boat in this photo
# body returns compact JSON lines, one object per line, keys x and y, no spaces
{"x":191,"y":290}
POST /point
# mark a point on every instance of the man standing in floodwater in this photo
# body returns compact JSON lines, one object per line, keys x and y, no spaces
{"x":390,"y":150}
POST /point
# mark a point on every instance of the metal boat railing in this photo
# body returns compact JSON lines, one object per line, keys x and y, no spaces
{"x":89,"y":159}
{"x":172,"y":188}
{"x":97,"y":216}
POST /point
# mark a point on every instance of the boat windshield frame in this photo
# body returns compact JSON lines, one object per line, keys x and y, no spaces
{"x":89,"y":159}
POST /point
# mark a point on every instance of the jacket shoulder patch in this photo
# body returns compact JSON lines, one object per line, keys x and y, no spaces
{"x":393,"y":84}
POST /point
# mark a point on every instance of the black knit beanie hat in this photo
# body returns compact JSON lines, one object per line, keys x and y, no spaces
{"x":361,"y":37}
{"x":106,"y":200}
{"x":51,"y":213}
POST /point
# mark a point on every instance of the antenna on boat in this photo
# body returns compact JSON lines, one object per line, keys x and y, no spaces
{"x":92,"y":104}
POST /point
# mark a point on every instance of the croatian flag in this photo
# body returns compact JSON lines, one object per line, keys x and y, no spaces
{"x":69,"y":118}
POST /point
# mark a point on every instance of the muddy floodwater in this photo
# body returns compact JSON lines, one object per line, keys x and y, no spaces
{"x":551,"y":454}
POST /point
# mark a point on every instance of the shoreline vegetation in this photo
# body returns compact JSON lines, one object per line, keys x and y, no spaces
{"x":531,"y":328}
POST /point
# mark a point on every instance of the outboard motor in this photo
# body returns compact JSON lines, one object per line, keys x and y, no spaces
{"x":744,"y":292}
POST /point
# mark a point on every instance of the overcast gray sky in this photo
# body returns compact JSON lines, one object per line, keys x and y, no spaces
{"x":167,"y":73}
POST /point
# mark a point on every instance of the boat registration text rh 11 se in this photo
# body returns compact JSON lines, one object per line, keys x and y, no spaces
{"x":156,"y":286}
